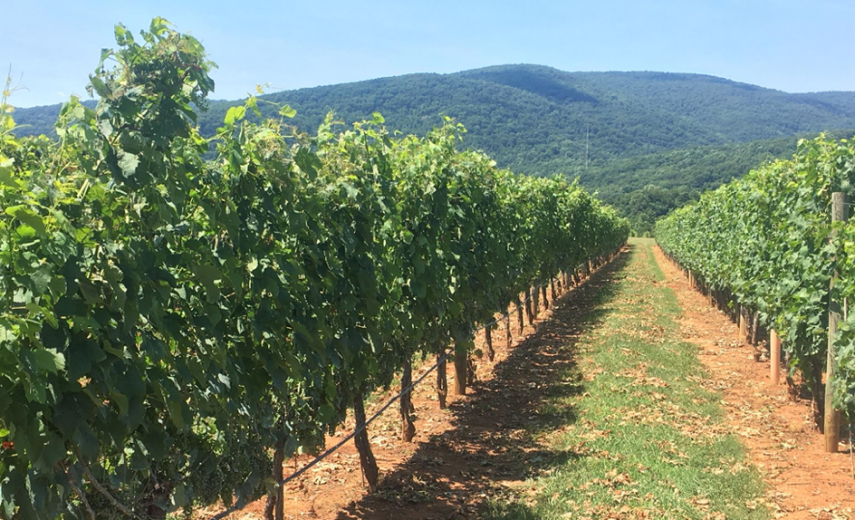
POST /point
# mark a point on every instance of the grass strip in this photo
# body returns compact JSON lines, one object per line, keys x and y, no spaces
{"x":639,"y":437}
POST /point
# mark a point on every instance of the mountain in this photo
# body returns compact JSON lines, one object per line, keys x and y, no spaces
{"x":648,"y":187}
{"x":540,"y":120}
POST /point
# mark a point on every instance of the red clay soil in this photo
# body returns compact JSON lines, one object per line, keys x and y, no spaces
{"x":803,"y":481}
{"x":475,"y":449}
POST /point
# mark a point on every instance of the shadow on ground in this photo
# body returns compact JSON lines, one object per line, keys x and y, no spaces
{"x":492,"y":446}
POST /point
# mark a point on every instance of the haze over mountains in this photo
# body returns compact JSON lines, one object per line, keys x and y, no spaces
{"x":537,"y":120}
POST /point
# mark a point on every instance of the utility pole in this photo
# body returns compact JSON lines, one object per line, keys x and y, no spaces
{"x":586,"y":148}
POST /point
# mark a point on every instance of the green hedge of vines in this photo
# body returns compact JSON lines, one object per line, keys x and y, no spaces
{"x":767,"y":238}
{"x":167,"y":321}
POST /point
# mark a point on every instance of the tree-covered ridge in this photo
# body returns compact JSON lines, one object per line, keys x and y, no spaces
{"x":523,"y":129}
{"x":535,"y":119}
{"x":736,"y":111}
{"x":648,"y":187}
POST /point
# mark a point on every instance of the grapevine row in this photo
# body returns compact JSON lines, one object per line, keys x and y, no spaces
{"x":766,"y":243}
{"x":173,"y":326}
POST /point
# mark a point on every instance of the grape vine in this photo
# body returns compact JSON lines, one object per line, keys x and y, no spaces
{"x":767,"y":239}
{"x":170,"y":325}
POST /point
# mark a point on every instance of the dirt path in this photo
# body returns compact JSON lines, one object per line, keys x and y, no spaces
{"x":804,"y":481}
{"x":488,"y":450}
{"x":478,"y":448}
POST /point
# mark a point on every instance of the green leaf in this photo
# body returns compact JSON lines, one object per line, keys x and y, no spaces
{"x":121,"y":401}
{"x":49,"y":360}
{"x":287,"y":111}
{"x":47,"y":313}
{"x":60,"y":248}
{"x":179,"y":497}
{"x":308,"y":162}
{"x":120,"y":33}
{"x":41,"y":278}
{"x":99,"y":86}
{"x":54,"y":450}
{"x":128,"y":163}
{"x":326,"y":414}
{"x":176,"y":413}
{"x":6,"y":332}
{"x":234,"y":114}
{"x":6,"y":174}
{"x":25,"y":232}
{"x":208,"y":276}
{"x":252,"y":103}
{"x":86,"y":439}
{"x":418,"y":288}
{"x":35,"y":390}
{"x":28,"y":217}
{"x":90,"y":292}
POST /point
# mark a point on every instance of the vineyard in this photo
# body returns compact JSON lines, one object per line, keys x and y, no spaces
{"x":178,"y":315}
{"x":773,"y":249}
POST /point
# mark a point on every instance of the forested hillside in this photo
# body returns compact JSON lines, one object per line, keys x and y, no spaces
{"x":650,"y":186}
{"x":539,"y":120}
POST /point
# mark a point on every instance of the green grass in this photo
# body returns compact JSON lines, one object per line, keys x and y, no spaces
{"x":646,"y":439}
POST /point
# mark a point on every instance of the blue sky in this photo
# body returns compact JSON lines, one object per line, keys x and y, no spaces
{"x":791,"y":45}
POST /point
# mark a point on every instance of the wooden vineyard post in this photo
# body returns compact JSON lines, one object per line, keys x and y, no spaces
{"x":441,"y":381}
{"x":461,"y":366}
{"x":743,"y":324}
{"x":774,"y":357}
{"x":508,"y":330}
{"x":274,"y":507}
{"x":832,"y":416}
{"x":755,"y":326}
{"x":408,"y":428}
{"x":528,"y":311}
{"x":488,"y":340}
